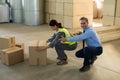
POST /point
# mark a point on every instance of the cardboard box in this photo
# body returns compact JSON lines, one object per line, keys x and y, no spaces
{"x":7,"y":42}
{"x":12,"y":55}
{"x":37,"y":57}
{"x":20,"y":45}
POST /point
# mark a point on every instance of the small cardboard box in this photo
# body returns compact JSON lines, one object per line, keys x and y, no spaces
{"x":37,"y":57}
{"x":20,"y":45}
{"x":12,"y":55}
{"x":7,"y":42}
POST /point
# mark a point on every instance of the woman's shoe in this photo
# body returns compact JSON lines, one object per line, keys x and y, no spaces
{"x":62,"y":62}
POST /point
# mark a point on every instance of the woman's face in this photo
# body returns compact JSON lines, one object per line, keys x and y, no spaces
{"x":54,"y":27}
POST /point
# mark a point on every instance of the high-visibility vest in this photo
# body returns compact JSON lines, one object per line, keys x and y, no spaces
{"x":67,"y":35}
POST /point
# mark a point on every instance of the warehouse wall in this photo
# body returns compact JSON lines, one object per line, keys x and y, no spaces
{"x":111,"y":13}
{"x":68,"y":12}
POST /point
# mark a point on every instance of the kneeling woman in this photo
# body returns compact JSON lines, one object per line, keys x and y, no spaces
{"x":60,"y":46}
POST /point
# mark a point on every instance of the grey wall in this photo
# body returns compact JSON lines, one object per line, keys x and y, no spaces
{"x":17,"y":11}
{"x":2,"y":1}
{"x":33,"y":12}
{"x":29,"y":12}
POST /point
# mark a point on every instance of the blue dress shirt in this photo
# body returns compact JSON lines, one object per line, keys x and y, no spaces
{"x":90,"y":36}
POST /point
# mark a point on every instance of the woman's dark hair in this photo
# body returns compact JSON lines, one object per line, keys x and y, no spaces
{"x":54,"y":22}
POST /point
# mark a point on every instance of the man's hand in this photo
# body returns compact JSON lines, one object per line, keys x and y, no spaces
{"x":63,"y":39}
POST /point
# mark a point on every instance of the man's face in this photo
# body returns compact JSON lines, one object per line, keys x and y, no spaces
{"x":83,"y":23}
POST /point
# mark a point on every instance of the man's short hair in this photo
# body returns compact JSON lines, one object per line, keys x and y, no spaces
{"x":84,"y":18}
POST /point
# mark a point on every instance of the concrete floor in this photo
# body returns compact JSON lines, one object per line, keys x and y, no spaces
{"x":107,"y":66}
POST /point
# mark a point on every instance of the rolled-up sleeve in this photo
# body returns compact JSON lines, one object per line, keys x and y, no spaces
{"x":56,"y":39}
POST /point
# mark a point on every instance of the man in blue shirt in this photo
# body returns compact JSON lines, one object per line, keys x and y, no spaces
{"x":93,"y":48}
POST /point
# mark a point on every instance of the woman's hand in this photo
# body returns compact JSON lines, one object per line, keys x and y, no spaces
{"x":41,"y":48}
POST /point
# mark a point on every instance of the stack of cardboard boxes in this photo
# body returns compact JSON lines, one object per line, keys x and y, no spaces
{"x":37,"y":57}
{"x":13,"y":53}
{"x":109,"y":12}
{"x":68,"y":12}
{"x":10,"y":52}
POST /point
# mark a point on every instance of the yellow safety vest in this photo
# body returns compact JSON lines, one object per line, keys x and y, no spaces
{"x":67,"y":35}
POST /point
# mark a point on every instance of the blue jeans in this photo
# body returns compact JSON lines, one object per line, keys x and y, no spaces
{"x":87,"y":53}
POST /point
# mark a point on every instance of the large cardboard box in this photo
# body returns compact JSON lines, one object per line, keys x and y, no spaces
{"x":12,"y":55}
{"x":37,"y":57}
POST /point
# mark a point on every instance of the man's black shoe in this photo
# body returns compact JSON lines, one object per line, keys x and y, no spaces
{"x":62,"y":62}
{"x":58,"y":58}
{"x":84,"y":68}
{"x":93,"y":59}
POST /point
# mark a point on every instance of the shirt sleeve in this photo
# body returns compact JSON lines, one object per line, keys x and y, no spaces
{"x":83,"y":36}
{"x":52,"y":38}
{"x":56,"y":39}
